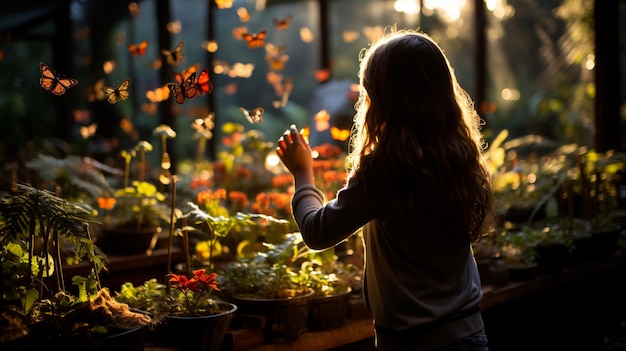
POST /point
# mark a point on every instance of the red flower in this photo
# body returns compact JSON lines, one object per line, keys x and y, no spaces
{"x":184,"y":284}
{"x":207,"y":281}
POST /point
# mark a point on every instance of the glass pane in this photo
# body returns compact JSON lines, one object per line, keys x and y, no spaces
{"x":539,"y":74}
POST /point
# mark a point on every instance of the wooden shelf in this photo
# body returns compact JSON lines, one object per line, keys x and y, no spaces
{"x":496,"y":303}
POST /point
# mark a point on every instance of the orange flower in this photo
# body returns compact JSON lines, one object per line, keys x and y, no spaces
{"x":184,"y":284}
{"x":238,"y":199}
{"x":206,"y":281}
{"x":282,"y":180}
{"x":198,"y":183}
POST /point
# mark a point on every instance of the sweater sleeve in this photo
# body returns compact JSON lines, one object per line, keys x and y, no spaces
{"x":325,"y":224}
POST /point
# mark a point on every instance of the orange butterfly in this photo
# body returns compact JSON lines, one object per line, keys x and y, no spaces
{"x":138,"y":49}
{"x":277,"y":63}
{"x":339,"y":134}
{"x":106,"y":203}
{"x":253,"y":116}
{"x":50,"y":81}
{"x":120,"y":93}
{"x":174,"y":57}
{"x":282,"y":24}
{"x":255,"y":40}
{"x":202,"y":84}
{"x":184,"y":89}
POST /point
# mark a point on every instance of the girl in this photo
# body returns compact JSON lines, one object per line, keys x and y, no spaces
{"x":418,"y":188}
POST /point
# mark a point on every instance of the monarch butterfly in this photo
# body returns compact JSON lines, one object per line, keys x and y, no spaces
{"x":138,"y":49}
{"x":202,"y":84}
{"x":51,"y":81}
{"x":253,"y":116}
{"x":186,"y":72}
{"x":339,"y":134}
{"x":120,"y":93}
{"x":255,"y":40}
{"x":282,"y":24}
{"x":174,"y":57}
{"x":184,"y":89}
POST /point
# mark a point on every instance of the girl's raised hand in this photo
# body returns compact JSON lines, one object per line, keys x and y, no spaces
{"x":295,"y":153}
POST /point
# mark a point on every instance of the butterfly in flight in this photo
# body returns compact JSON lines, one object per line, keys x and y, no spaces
{"x":106,"y":203}
{"x":282,"y":24}
{"x":120,"y":93}
{"x":255,"y":40}
{"x":138,"y":49}
{"x":51,"y":81}
{"x":254,"y":116}
{"x":174,"y":57}
{"x":184,"y":89}
{"x":202,"y":83}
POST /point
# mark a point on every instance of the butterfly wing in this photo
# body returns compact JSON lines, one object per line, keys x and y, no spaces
{"x":202,"y":84}
{"x":50,"y":81}
{"x":255,"y":116}
{"x":177,"y":91}
{"x":123,"y":90}
{"x":190,"y":89}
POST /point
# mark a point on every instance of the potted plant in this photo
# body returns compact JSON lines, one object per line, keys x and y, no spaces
{"x":34,"y":222}
{"x":187,"y":302}
{"x":331,"y":283}
{"x":186,"y":305}
{"x":517,"y":248}
{"x":270,"y":284}
{"x":134,"y":219}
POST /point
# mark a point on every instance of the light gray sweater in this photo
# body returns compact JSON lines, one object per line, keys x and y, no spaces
{"x":422,"y":292}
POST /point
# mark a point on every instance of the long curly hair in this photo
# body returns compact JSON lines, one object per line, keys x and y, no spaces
{"x":416,"y":137}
